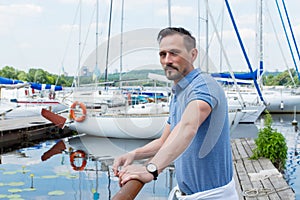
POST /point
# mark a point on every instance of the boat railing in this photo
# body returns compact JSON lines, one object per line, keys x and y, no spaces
{"x":129,"y":191}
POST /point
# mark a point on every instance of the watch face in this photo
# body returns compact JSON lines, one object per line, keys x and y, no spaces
{"x":151,"y":167}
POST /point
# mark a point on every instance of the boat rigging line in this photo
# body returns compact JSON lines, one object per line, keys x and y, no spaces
{"x":280,"y":47}
{"x":291,"y":29}
{"x":244,"y":52}
{"x":241,"y":100}
{"x":287,"y":38}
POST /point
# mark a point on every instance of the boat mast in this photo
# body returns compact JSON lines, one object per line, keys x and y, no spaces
{"x":97,"y":37}
{"x":79,"y":43}
{"x":222,"y":30}
{"x":206,"y":23}
{"x":108,"y":40}
{"x":121,"y":44}
{"x":260,"y":29}
{"x":199,"y":18}
{"x":169,"y":13}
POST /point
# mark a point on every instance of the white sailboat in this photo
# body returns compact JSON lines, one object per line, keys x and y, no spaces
{"x":135,"y":124}
{"x":277,"y":99}
{"x":247,"y":112}
{"x":24,"y":100}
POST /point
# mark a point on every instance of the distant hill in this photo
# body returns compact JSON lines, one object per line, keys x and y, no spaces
{"x":136,"y":74}
{"x":266,"y":73}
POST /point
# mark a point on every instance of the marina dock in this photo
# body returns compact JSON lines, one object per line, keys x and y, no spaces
{"x":24,"y":132}
{"x":257,"y":179}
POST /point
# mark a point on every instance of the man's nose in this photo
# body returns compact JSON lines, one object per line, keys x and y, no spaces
{"x":168,"y":58}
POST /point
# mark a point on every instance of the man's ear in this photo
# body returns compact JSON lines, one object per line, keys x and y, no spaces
{"x":194,"y":53}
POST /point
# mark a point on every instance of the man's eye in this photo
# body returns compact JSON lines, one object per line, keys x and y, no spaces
{"x":162,"y":54}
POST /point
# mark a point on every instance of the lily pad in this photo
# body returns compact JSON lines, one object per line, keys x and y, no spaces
{"x":3,"y":196}
{"x":72,"y":176}
{"x":56,"y":193}
{"x":16,"y":183}
{"x":49,"y":176}
{"x":10,"y":173}
{"x":23,"y":171}
{"x":1,"y":184}
{"x":14,"y":196}
{"x":15,"y":190}
{"x":29,"y":189}
{"x":63,"y":174}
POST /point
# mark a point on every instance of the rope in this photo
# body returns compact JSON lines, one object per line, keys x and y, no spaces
{"x":263,"y":191}
{"x":256,"y":192}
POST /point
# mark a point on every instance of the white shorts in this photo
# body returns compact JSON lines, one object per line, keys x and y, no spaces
{"x":226,"y":192}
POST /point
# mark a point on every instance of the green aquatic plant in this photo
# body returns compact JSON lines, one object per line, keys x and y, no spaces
{"x":271,"y":144}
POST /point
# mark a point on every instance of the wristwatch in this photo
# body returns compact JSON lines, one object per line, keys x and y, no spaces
{"x":152,"y":169}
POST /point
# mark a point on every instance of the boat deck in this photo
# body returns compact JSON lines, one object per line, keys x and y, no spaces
{"x":23,"y":132}
{"x":257,"y":179}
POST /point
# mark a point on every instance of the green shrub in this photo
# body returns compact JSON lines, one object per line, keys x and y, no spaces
{"x":271,"y":144}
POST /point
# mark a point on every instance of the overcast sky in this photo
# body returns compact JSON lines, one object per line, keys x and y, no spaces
{"x":45,"y":34}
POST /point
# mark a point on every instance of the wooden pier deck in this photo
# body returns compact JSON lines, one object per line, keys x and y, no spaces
{"x":257,"y":179}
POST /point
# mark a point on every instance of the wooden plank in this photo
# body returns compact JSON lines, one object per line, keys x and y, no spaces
{"x":235,"y":152}
{"x":237,"y":185}
{"x":266,"y":187}
{"x":241,"y":149}
{"x":20,"y":123}
{"x":265,"y":183}
{"x":247,"y":147}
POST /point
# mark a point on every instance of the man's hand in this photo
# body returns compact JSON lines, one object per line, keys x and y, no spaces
{"x":138,"y":172}
{"x":123,"y":160}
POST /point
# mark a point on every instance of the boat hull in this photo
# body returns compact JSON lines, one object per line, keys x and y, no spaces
{"x":133,"y":126}
{"x":277,"y":101}
{"x":122,"y":126}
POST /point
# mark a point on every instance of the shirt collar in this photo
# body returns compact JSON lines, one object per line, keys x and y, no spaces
{"x":185,"y":81}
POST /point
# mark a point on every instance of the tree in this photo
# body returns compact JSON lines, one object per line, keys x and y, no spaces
{"x":9,"y":72}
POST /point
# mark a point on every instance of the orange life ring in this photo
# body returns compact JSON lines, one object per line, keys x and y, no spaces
{"x":72,"y":111}
{"x":78,"y":154}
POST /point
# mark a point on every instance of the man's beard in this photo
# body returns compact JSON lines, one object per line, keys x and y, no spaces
{"x":172,"y":74}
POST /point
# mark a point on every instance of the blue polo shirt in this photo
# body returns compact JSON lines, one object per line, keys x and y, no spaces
{"x":207,"y":161}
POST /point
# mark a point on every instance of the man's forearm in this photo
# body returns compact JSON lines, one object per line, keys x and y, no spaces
{"x":173,"y":147}
{"x":147,"y":151}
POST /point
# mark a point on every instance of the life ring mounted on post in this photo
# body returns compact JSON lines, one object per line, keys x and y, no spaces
{"x":72,"y":111}
{"x":78,"y":154}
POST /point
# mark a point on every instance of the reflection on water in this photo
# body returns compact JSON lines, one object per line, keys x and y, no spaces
{"x":23,"y":174}
{"x":283,"y":124}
